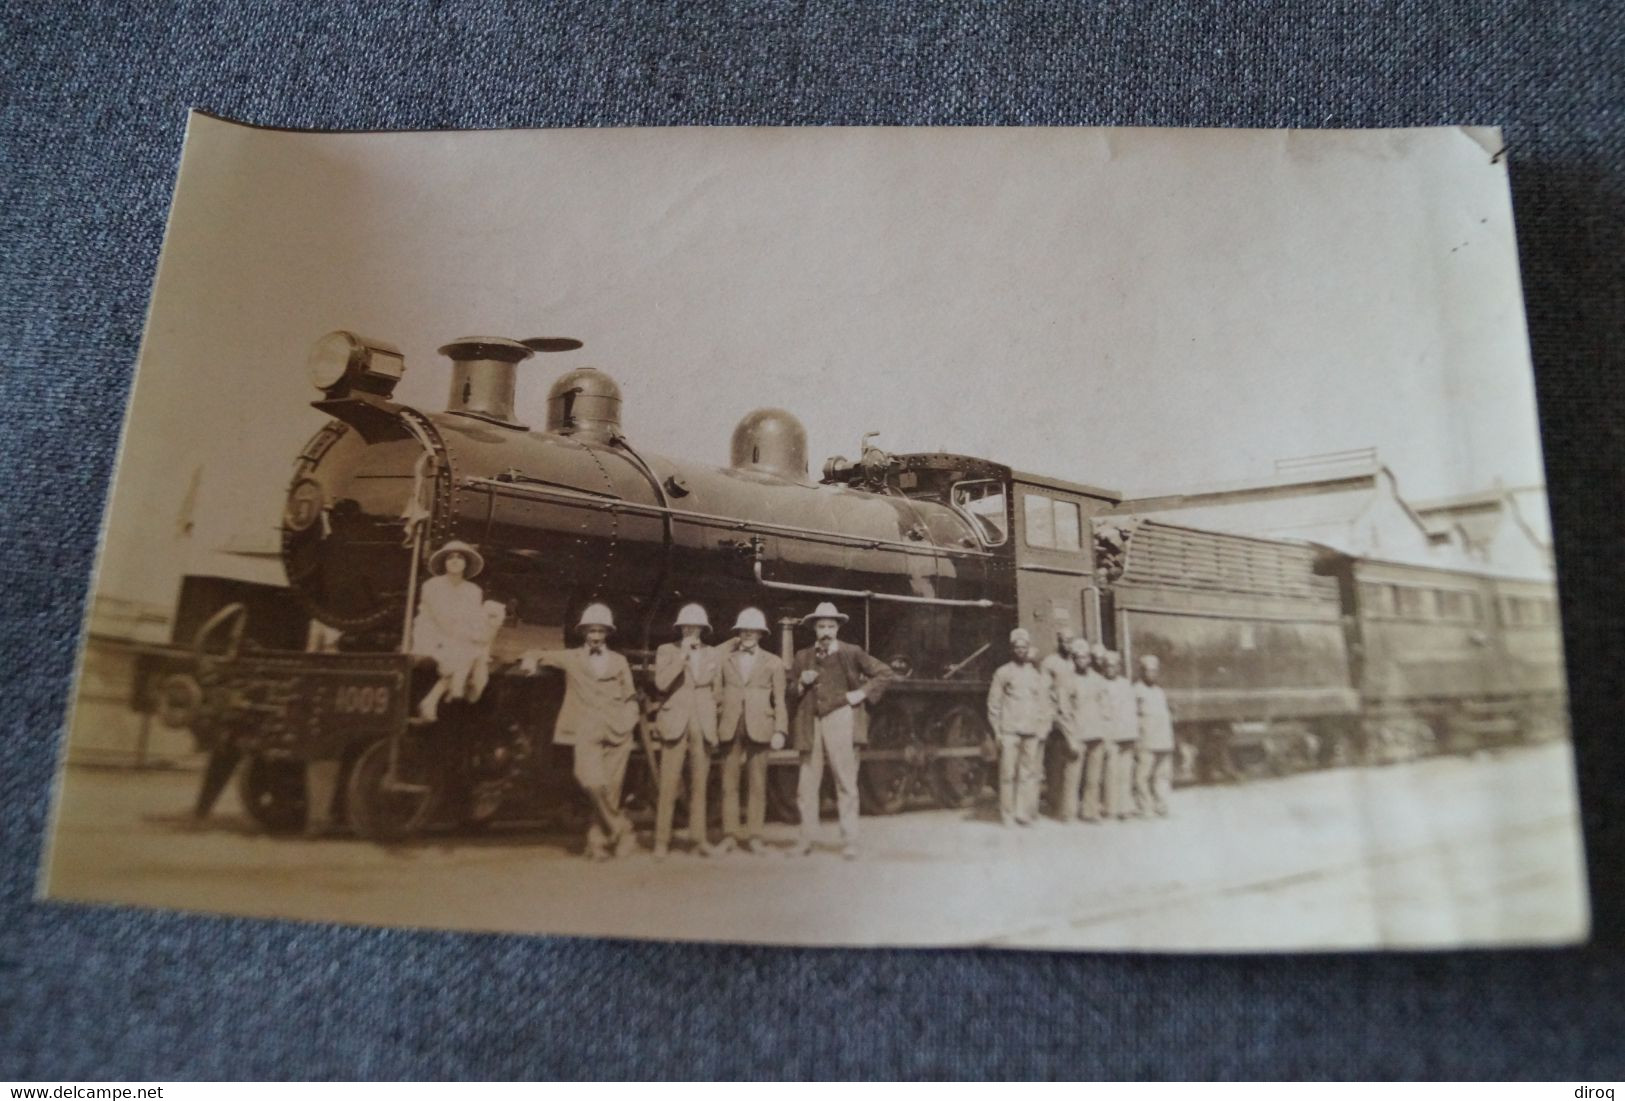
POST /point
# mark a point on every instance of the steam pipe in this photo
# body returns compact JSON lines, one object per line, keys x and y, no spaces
{"x":861,"y":594}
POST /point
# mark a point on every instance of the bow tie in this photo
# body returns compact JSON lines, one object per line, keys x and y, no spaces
{"x":823,"y":652}
{"x":595,"y":650}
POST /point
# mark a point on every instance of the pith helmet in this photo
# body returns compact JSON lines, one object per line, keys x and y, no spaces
{"x":826,"y":610}
{"x":751,"y":619}
{"x":1020,"y":637}
{"x":693,"y":615}
{"x":596,"y":615}
{"x":1079,"y":648}
{"x":437,"y":560}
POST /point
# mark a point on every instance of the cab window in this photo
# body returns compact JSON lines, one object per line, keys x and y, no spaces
{"x":984,"y":503}
{"x":1051,"y":523}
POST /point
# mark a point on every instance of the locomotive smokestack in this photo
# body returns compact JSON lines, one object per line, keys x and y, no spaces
{"x":483,"y":377}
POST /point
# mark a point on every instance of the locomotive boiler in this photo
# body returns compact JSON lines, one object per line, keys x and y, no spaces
{"x":571,"y":512}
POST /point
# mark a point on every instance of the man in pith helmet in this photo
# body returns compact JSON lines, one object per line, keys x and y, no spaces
{"x":754,"y":722}
{"x":599,"y":713}
{"x":1020,"y":713}
{"x":832,"y":684}
{"x":689,"y":687}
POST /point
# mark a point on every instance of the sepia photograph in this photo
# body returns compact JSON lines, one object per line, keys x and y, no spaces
{"x":1110,"y":539}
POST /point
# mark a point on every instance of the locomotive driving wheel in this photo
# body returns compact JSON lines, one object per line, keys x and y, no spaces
{"x":891,"y":764}
{"x":273,"y":793}
{"x":385,"y":807}
{"x":961,"y":755}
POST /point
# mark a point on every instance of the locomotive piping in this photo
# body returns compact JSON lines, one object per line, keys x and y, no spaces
{"x":867,"y":594}
{"x":574,"y":497}
{"x":666,"y":517}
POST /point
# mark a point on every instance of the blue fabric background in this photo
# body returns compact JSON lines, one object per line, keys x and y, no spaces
{"x":92,"y":108}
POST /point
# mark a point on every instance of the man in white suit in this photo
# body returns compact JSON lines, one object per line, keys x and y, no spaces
{"x":755,"y":721}
{"x":599,"y":713}
{"x":689,"y":689}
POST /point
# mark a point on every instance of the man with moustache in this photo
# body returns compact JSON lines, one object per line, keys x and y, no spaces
{"x":832,"y":683}
{"x":687,"y":680}
{"x":599,"y":713}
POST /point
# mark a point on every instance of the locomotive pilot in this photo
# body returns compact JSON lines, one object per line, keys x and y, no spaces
{"x":755,"y":721}
{"x":832,"y":683}
{"x":599,"y":713}
{"x":1020,"y":713}
{"x":1154,"y":755}
{"x":1123,"y":729}
{"x":687,"y":679}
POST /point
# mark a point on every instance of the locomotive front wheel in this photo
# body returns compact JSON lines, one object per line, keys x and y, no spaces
{"x":383,"y":811}
{"x":961,"y":755}
{"x":273,"y":793}
{"x":891,"y":764}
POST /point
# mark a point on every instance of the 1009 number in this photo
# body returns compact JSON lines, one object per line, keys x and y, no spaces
{"x":362,"y":699}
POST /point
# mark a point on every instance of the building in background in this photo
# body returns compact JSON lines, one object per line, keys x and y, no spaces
{"x":1507,"y":527}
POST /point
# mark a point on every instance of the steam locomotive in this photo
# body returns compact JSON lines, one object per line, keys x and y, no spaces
{"x":1276,"y":654}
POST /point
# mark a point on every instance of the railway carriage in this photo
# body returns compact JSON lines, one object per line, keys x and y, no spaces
{"x":1448,"y":659}
{"x":1251,"y":641}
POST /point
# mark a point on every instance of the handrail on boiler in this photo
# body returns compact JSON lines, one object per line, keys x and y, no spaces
{"x":707,"y":519}
{"x":861,"y":594}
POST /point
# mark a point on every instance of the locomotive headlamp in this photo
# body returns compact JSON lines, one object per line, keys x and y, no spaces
{"x":342,"y":361}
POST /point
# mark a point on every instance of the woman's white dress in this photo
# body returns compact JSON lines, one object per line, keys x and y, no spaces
{"x":451,"y":627}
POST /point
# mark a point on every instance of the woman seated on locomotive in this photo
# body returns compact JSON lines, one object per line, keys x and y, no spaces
{"x":455,"y":626}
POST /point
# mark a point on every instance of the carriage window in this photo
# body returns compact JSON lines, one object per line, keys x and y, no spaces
{"x":1456,"y":606}
{"x":984,"y":503}
{"x":1051,"y":523}
{"x":1378,"y":599}
{"x":1452,"y":605}
{"x":1410,"y":602}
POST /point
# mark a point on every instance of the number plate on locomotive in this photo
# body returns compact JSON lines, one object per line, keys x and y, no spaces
{"x":362,"y":701}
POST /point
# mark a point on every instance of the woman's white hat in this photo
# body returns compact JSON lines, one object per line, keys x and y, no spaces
{"x":751,"y":619}
{"x":437,"y":560}
{"x":826,"y":610}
